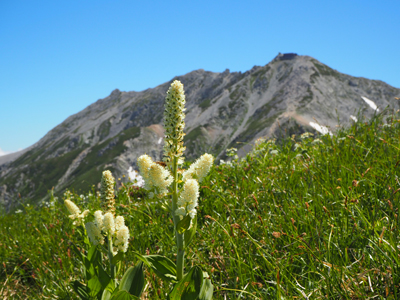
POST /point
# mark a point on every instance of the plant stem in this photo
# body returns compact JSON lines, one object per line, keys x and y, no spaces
{"x":180,"y":258}
{"x":110,"y":256}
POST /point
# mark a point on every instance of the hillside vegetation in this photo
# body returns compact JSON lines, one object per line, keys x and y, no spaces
{"x":306,"y":218}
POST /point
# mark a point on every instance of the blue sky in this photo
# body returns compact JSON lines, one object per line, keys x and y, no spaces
{"x":57,"y":57}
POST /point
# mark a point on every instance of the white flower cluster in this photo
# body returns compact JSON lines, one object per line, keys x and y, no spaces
{"x":174,"y":123}
{"x":316,"y":142}
{"x":222,"y":162}
{"x":144,"y":164}
{"x":200,"y":168}
{"x":187,"y":201}
{"x":107,"y":225}
{"x":75,"y":212}
{"x":155,"y":175}
{"x":107,"y":190}
{"x":306,"y":135}
{"x":121,"y":234}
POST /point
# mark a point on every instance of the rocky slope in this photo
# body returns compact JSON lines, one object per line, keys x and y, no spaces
{"x":228,"y":109}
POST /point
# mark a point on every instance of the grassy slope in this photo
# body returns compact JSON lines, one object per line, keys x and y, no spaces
{"x":317,"y":220}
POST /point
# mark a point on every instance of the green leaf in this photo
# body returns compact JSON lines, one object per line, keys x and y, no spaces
{"x":189,"y":287}
{"x":106,"y":295}
{"x":206,"y":291}
{"x":77,"y":252}
{"x":81,"y":289}
{"x":89,"y":268}
{"x":183,"y":224}
{"x":117,"y":258}
{"x":90,"y":271}
{"x":189,"y":234}
{"x":103,"y":277}
{"x":86,"y":262}
{"x":93,"y":254}
{"x":95,"y":286}
{"x":133,"y":280}
{"x":161,"y":265}
{"x":111,"y":286}
{"x":123,"y":295}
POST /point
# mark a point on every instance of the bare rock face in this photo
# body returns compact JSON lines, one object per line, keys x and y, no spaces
{"x":228,"y":109}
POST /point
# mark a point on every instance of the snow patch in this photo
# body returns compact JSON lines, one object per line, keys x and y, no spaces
{"x":320,"y":128}
{"x":4,"y":152}
{"x":353,"y":118}
{"x":370,"y":103}
{"x":134,"y":175}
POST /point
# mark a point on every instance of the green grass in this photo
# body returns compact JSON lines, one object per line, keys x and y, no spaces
{"x":316,"y":218}
{"x":205,"y":104}
{"x":325,"y":70}
{"x":254,"y":124}
{"x":104,"y":129}
{"x":43,"y":175}
{"x":89,"y":170}
{"x":196,"y":142}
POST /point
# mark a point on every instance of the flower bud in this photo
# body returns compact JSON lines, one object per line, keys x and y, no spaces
{"x":72,"y":208}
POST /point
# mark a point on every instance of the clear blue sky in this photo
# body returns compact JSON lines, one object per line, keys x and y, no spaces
{"x":57,"y":57}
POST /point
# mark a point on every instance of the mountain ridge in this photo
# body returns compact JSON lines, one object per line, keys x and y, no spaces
{"x":226,"y":109}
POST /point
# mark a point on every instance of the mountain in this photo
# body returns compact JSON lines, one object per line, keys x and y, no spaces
{"x":228,"y":109}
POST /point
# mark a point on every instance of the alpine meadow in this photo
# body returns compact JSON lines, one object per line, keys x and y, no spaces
{"x":309,"y":215}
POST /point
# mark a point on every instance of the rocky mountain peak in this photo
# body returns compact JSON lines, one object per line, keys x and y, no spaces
{"x":227,"y":109}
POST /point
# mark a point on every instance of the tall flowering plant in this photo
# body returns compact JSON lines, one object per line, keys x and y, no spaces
{"x":107,"y":237}
{"x":167,"y":179}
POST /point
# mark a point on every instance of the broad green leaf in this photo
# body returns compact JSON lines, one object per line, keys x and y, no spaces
{"x":103,"y":277}
{"x":106,"y":295}
{"x":81,"y":289}
{"x":117,"y":258}
{"x":161,"y":265}
{"x":90,"y":271}
{"x":87,"y":241}
{"x":183,"y":224}
{"x":86,"y":262}
{"x":133,"y":280}
{"x":189,"y":234}
{"x":206,"y":291}
{"x":123,"y":295}
{"x":91,"y":252}
{"x":111,"y":286}
{"x":95,"y":286}
{"x":189,"y":287}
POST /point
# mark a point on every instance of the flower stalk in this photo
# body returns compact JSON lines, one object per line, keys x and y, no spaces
{"x":168,"y":179}
{"x":180,"y":258}
{"x":110,"y":256}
